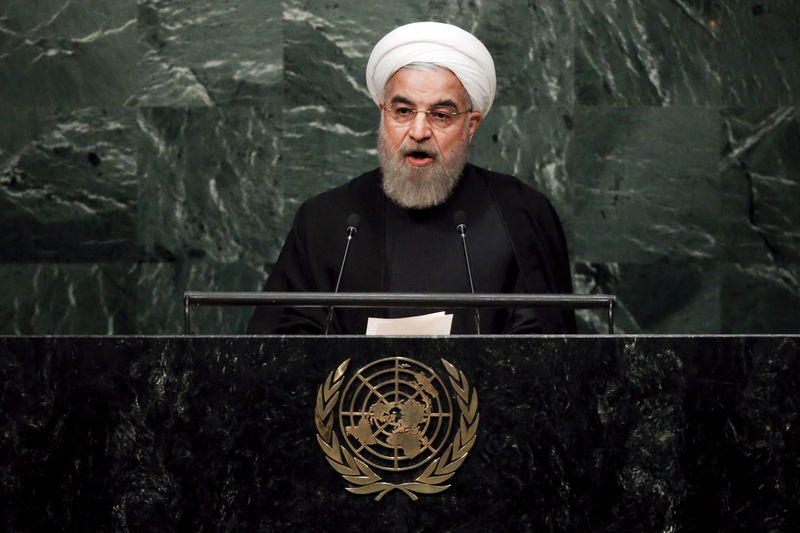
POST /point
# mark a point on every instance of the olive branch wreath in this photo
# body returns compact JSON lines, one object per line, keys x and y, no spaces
{"x":359,"y":473}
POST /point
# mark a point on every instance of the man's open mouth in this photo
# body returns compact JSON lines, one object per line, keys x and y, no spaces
{"x":419,"y":158}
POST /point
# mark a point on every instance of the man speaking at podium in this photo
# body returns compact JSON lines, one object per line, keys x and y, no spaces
{"x":433,"y":84}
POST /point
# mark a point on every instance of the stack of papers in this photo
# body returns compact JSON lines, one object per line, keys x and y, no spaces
{"x":437,"y":323}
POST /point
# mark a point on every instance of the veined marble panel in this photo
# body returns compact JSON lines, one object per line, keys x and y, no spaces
{"x":532,"y":44}
{"x":208,"y":187}
{"x":159,"y":296}
{"x":651,"y":52}
{"x":646,"y":184}
{"x":327,"y":45}
{"x":763,"y":298}
{"x":530,"y":144}
{"x":67,"y":53}
{"x":322,"y":147}
{"x":68,"y":185}
{"x":760,"y":172}
{"x":207,"y":53}
{"x":664,"y":297}
{"x":760,"y":52}
{"x":67,"y":299}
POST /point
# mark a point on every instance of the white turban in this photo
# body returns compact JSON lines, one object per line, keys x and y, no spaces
{"x":441,"y":44}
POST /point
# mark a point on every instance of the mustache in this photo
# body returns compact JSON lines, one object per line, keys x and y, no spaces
{"x":412,"y":147}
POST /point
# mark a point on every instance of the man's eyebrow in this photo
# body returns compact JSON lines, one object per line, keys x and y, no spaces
{"x":401,"y":100}
{"x":445,"y":103}
{"x":398,"y":99}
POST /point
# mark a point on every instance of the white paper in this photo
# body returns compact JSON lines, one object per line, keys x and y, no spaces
{"x":437,"y":323}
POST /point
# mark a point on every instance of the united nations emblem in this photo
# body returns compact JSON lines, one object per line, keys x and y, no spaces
{"x":396,"y":416}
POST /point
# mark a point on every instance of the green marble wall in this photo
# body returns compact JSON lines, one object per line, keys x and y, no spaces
{"x":151,"y":147}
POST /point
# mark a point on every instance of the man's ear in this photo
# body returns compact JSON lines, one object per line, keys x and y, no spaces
{"x":475,"y":118}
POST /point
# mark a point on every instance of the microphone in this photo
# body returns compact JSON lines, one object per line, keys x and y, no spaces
{"x":460,"y":218}
{"x":351,"y":222}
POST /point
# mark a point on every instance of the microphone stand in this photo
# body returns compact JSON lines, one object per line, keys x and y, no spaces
{"x":462,"y":230}
{"x":351,"y":231}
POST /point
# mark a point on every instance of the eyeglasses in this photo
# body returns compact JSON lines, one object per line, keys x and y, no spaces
{"x":439,"y":117}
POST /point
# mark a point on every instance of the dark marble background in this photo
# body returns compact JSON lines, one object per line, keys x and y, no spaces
{"x":586,"y":434}
{"x":150,"y":147}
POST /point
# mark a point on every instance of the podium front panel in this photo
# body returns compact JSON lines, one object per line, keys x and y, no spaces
{"x":594,"y":433}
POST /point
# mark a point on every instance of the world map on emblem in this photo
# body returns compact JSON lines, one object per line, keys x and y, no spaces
{"x":395,"y":414}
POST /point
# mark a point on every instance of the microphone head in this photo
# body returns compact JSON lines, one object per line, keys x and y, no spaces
{"x":460,"y":218}
{"x":352,"y":222}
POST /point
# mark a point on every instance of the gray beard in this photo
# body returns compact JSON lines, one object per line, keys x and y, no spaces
{"x":421,"y":187}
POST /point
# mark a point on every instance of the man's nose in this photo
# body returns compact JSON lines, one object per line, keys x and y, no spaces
{"x":420,"y":127}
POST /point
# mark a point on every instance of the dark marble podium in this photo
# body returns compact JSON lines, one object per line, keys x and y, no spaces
{"x":583,"y":434}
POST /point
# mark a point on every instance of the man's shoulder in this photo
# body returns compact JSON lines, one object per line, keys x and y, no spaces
{"x":331,"y":208}
{"x":507,"y":187}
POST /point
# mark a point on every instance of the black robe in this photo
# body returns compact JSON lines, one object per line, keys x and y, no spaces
{"x":523,"y":218}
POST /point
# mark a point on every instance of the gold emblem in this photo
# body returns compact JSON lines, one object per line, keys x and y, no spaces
{"x":395,"y":415}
